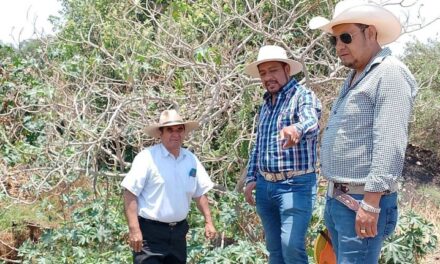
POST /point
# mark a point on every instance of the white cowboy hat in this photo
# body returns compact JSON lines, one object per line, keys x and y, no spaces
{"x":272,"y":53}
{"x":358,"y":11}
{"x":170,"y":118}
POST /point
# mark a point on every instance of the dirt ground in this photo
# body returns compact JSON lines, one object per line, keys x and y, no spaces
{"x":422,"y":166}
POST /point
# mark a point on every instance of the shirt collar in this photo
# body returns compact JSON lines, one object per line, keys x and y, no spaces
{"x":377,"y":59}
{"x":291,"y":84}
{"x":166,"y":153}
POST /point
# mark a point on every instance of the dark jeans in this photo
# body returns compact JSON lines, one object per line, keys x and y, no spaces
{"x":162,"y":244}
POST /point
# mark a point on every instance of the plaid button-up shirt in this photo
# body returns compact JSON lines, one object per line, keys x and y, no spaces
{"x":294,"y":105}
{"x":367,"y":131}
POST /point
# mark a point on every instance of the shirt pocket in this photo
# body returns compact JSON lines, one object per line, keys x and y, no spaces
{"x":286,"y":118}
{"x":190,"y":185}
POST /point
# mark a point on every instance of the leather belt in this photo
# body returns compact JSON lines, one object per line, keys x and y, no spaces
{"x":345,"y":188}
{"x":170,"y":224}
{"x":351,"y":189}
{"x":284,"y":175}
{"x":341,"y":191}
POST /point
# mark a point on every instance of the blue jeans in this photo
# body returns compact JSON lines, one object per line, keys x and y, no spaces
{"x":340,"y":221}
{"x":285,"y":209}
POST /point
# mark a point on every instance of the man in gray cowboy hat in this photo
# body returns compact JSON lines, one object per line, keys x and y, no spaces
{"x":363,"y":145}
{"x":283,"y":161}
{"x":158,"y":191}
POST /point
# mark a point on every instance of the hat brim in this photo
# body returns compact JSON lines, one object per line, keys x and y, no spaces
{"x":153,"y":130}
{"x":387,"y":25}
{"x":252,"y":68}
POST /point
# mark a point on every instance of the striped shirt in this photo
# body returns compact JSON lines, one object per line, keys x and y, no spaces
{"x":294,"y":105}
{"x":367,"y":131}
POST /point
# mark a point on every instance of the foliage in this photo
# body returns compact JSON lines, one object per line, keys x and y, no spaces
{"x":113,"y":66}
{"x":241,"y":252}
{"x":21,"y":86}
{"x":413,"y":240}
{"x":240,"y":238}
{"x":426,"y":121}
{"x":75,"y":105}
{"x":95,"y":233}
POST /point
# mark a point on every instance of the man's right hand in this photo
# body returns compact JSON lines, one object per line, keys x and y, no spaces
{"x":135,"y":240}
{"x":248,"y":193}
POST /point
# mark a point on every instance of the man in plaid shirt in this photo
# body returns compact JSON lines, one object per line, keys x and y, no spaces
{"x":283,"y":161}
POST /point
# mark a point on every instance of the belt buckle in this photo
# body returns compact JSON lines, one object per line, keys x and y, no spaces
{"x":272,"y":177}
{"x":172,"y":224}
{"x":290,"y":174}
{"x":280,"y":176}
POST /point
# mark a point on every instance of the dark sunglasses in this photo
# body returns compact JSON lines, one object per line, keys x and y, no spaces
{"x":346,"y":38}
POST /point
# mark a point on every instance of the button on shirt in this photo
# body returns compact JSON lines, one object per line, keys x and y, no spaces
{"x":165,"y":185}
{"x":294,"y":105}
{"x":367,"y":131}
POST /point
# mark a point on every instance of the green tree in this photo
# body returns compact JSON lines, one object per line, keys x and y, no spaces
{"x":426,"y":121}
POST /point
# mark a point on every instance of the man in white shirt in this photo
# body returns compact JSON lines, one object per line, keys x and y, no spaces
{"x":159,"y":187}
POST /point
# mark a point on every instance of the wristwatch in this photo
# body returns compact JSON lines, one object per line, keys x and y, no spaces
{"x":369,"y":208}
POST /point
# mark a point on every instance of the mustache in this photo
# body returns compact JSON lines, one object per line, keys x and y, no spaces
{"x":270,"y":82}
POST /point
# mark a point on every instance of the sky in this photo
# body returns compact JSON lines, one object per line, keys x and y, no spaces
{"x":18,"y":17}
{"x":24,"y":19}
{"x":421,"y":11}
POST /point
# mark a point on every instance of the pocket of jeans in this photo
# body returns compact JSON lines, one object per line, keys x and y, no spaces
{"x":391,"y":221}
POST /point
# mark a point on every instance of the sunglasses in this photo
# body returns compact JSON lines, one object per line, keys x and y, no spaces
{"x":346,"y":38}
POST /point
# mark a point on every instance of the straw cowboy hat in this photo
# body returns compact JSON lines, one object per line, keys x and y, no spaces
{"x":170,"y":118}
{"x":358,"y":11}
{"x":272,"y":53}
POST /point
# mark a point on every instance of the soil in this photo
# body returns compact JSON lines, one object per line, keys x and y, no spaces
{"x":422,"y":166}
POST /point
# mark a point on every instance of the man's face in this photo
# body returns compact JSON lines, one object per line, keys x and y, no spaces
{"x":274,"y":75}
{"x":356,"y":54}
{"x":172,"y":137}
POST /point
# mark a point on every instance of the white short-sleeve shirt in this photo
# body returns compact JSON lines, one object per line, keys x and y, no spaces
{"x":165,"y":185}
